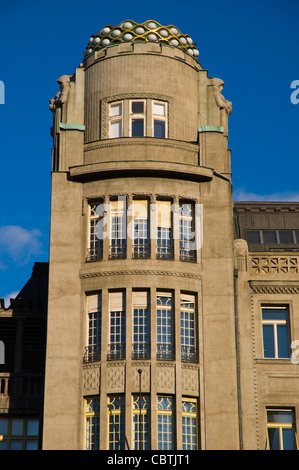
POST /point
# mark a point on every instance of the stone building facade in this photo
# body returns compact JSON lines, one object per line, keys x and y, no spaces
{"x":171,"y":309}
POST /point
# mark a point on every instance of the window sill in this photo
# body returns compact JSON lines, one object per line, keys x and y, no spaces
{"x":272,"y":360}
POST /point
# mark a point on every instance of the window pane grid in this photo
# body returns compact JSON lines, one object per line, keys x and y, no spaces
{"x":19,"y":433}
{"x":188,"y":347}
{"x":118,"y":243}
{"x":92,"y":423}
{"x":141,"y":346}
{"x":189,"y":425}
{"x":95,"y":250}
{"x":275,"y":330}
{"x":141,"y":418}
{"x":165,"y":345}
{"x":141,"y":245}
{"x":116,"y":422}
{"x":117,"y":335}
{"x":164,"y":243}
{"x":165,"y":423}
{"x":186,"y":232}
{"x":280,"y":429}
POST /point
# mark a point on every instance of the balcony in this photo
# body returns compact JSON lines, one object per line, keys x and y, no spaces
{"x":189,"y":354}
{"x":118,"y":251}
{"x":116,"y":351}
{"x":94,"y":254}
{"x":141,"y":250}
{"x":92,"y":353}
{"x":165,"y":352}
{"x":141,"y":351}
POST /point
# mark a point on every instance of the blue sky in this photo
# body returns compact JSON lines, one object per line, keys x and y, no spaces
{"x":251,"y":45}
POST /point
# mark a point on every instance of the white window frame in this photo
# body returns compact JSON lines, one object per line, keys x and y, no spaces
{"x":160,"y":117}
{"x":116,"y":118}
{"x":141,"y":116}
{"x":275,"y":323}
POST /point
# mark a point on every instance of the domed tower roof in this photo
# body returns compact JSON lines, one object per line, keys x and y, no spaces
{"x":149,"y":31}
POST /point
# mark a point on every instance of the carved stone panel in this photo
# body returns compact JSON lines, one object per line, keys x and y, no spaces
{"x":190,"y":380}
{"x":145,"y":376}
{"x":116,"y":378}
{"x":166,"y":378}
{"x":91,"y":379}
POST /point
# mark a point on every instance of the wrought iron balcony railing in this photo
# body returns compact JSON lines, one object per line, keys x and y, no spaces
{"x":189,"y":353}
{"x":92,"y":353}
{"x":165,"y":352}
{"x":187,"y":255}
{"x":141,"y":250}
{"x":94,"y":254}
{"x":118,"y":251}
{"x":141,"y":351}
{"x":116,"y":351}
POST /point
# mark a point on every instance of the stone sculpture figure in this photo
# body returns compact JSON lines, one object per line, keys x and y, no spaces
{"x":61,"y":97}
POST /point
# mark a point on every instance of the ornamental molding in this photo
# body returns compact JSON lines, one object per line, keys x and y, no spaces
{"x":139,"y":272}
{"x":275,"y":289}
{"x":149,"y":141}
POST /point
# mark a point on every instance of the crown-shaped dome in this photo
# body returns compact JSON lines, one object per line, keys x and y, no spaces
{"x":149,"y":31}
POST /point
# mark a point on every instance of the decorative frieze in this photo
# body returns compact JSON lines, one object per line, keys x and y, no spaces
{"x":91,"y":379}
{"x":275,"y":264}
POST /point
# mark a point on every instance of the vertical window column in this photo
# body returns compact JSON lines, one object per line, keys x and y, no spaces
{"x":159,"y":119}
{"x":116,"y":422}
{"x":188,"y":329}
{"x":165,"y":333}
{"x":187,"y":232}
{"x":165,"y":423}
{"x":141,"y":325}
{"x":141,"y":240}
{"x":141,"y":422}
{"x":164,"y":230}
{"x":117,"y":345}
{"x":92,"y":423}
{"x":116,"y":120}
{"x":95,"y":250}
{"x":137,"y":118}
{"x":118,"y":232}
{"x":94,"y":312}
{"x":189,"y":424}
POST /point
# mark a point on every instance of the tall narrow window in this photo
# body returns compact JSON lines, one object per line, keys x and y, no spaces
{"x":137,"y":118}
{"x":118,"y":245}
{"x":95,"y":250}
{"x":188,"y":338}
{"x":92,"y":423}
{"x":275,"y":324}
{"x":165,"y":342}
{"x":117,"y":345}
{"x":94,"y":312}
{"x":189,"y":424}
{"x":165,"y":423}
{"x":141,"y":424}
{"x":281,"y":429}
{"x":141,"y":334}
{"x":115,"y":120}
{"x":187,"y":232}
{"x":159,"y":119}
{"x":141,"y":242}
{"x":164,"y":230}
{"x":116,"y":426}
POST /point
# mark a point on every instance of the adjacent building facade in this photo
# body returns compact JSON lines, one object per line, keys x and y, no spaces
{"x":171,"y":309}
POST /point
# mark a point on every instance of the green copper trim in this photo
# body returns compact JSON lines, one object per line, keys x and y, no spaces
{"x":211,"y":129}
{"x":70,"y":126}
